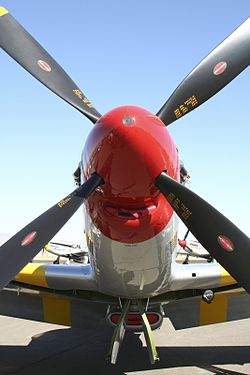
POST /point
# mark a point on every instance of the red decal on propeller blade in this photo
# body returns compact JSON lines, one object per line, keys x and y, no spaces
{"x":28,"y":239}
{"x":225,"y":243}
{"x":44,"y":66}
{"x":220,"y":68}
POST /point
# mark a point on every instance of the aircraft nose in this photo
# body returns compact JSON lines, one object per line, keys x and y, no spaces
{"x":129,"y":147}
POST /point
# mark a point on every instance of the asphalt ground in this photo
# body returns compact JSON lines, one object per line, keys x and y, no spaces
{"x":28,"y":347}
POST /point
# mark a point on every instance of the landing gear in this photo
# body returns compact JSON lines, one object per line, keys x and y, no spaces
{"x":120,"y":331}
{"x":148,"y":334}
{"x":118,"y":335}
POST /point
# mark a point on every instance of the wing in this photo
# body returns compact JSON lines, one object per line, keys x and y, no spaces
{"x":55,"y":293}
{"x":81,"y":308}
{"x":228,"y":305}
{"x":58,"y":307}
{"x":185,"y":304}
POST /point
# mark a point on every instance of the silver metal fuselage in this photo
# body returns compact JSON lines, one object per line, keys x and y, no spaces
{"x":138,"y":270}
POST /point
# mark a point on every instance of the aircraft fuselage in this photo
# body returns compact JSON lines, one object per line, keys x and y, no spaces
{"x":130,"y":227}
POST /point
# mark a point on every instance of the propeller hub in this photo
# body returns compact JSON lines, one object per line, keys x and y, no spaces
{"x":129,"y":147}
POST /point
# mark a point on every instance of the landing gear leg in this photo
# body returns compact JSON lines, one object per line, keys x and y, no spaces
{"x":120,"y":329}
{"x":148,"y":334}
{"x":118,"y":335}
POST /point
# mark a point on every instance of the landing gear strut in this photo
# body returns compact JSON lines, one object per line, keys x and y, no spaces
{"x":120,"y":330}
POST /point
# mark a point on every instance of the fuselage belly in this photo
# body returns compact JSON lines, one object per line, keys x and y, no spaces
{"x":138,"y":270}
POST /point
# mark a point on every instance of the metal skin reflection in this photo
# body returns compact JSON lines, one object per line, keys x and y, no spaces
{"x":131,"y":228}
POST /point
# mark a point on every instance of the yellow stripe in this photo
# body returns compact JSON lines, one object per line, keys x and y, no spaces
{"x":33,"y":273}
{"x":216,"y":312}
{"x":3,"y":11}
{"x":56,"y":310}
{"x":226,"y":278}
{"x":47,"y":247}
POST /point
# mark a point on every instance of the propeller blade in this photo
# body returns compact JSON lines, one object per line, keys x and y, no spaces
{"x":20,"y":45}
{"x":219,"y":68}
{"x":23,"y":246}
{"x":222,"y":239}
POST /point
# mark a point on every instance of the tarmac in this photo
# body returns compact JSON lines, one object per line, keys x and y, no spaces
{"x":28,"y":347}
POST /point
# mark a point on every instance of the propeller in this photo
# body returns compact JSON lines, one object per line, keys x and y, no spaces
{"x":219,"y":68}
{"x":20,"y":45}
{"x":220,"y":237}
{"x":23,"y":246}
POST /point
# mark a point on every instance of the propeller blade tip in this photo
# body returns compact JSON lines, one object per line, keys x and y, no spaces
{"x":3,"y":11}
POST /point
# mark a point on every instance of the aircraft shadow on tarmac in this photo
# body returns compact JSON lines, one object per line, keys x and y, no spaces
{"x":74,"y":351}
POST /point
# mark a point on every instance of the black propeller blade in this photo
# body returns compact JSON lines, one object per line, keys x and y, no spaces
{"x":20,"y":45}
{"x":222,"y":239}
{"x":24,"y":245}
{"x":219,"y":68}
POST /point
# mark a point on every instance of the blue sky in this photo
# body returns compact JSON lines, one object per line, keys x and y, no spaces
{"x":130,"y":52}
